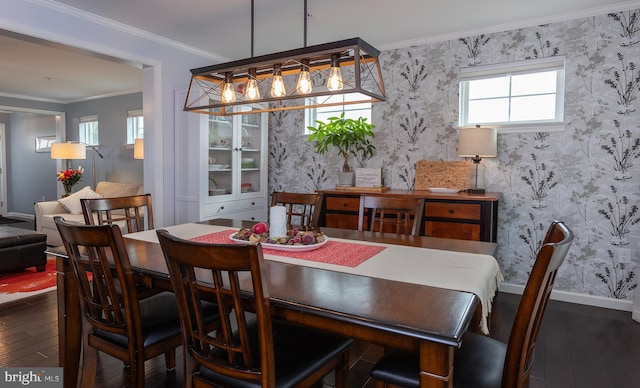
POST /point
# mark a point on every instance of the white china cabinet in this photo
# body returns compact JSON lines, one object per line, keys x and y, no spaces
{"x":231,"y":153}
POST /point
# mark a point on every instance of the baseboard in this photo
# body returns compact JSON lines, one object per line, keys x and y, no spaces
{"x":21,"y":216}
{"x":574,"y":297}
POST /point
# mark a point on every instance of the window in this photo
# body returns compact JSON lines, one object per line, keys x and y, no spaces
{"x":516,"y":96}
{"x":135,"y":125}
{"x":352,"y":111}
{"x":89,"y":130}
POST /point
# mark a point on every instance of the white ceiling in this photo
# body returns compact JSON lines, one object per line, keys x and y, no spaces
{"x":223,"y":28}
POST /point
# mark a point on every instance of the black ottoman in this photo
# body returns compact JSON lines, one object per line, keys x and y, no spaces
{"x":22,"y":248}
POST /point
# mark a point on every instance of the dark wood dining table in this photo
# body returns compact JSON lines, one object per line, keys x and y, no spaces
{"x":426,"y":320}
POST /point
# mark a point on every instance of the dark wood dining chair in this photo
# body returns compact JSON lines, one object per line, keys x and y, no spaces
{"x":114,"y":320}
{"x":250,"y":352}
{"x":303,"y":209}
{"x":482,"y":362}
{"x":405,"y":214}
{"x":131,"y":211}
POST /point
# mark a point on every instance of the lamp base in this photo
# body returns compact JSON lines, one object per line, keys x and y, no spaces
{"x":476,"y":191}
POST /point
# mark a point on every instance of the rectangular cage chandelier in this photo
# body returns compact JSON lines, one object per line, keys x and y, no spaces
{"x":307,"y":77}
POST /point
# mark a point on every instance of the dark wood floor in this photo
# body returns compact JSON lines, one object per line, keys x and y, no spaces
{"x":579,"y":346}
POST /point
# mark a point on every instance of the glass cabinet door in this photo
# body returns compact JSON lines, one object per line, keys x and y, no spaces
{"x":220,"y":157}
{"x":250,"y":147}
{"x":235,"y":154}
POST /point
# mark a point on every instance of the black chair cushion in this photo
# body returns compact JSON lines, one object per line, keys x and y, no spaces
{"x":299,"y":352}
{"x":160,"y":320}
{"x":477,"y":364}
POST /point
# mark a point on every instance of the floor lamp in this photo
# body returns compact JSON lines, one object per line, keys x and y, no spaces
{"x":75,"y":150}
{"x":477,"y":143}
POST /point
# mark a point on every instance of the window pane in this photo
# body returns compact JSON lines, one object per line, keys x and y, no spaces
{"x":523,"y":92}
{"x":135,"y":128}
{"x":533,"y":108}
{"x":323,"y":113}
{"x":488,"y":88}
{"x":489,"y":111}
{"x":538,"y":83}
{"x":89,"y":132}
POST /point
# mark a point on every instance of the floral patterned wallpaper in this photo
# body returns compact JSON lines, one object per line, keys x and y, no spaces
{"x":586,"y":175}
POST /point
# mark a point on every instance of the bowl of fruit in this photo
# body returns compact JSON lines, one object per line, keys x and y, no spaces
{"x":295,"y":239}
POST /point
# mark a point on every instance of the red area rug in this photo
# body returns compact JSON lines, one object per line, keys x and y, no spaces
{"x":28,"y":282}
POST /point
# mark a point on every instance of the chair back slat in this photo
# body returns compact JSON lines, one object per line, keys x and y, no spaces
{"x":131,"y":211}
{"x":522,"y":340}
{"x":404,"y":214}
{"x":303,"y":209}
{"x":221,"y":273}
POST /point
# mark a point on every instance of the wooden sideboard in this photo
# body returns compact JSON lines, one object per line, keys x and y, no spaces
{"x":460,"y":215}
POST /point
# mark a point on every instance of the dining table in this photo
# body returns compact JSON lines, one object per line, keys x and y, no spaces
{"x":413,"y":293}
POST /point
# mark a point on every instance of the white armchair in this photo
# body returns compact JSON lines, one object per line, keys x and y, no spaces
{"x":45,"y":211}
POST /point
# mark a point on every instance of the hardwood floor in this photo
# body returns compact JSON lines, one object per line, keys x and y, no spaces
{"x":579,"y":346}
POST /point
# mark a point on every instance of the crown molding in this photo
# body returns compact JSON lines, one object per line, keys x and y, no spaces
{"x":596,"y":11}
{"x":89,"y":17}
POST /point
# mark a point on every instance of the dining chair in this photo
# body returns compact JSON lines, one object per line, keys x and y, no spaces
{"x":393,"y":211}
{"x":481,"y":361}
{"x":131,"y":211}
{"x":115,"y":321}
{"x":303,"y":209}
{"x":251,"y":349}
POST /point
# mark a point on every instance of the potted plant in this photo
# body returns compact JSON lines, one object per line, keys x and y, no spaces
{"x":350,"y":137}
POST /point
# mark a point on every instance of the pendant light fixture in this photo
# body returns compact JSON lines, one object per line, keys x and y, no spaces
{"x":295,"y":79}
{"x":335,"y":76}
{"x":252,"y":93}
{"x":304,"y":86}
{"x":277,"y":84}
{"x":228,"y":94}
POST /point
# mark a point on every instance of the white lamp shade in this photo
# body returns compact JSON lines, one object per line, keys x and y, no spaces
{"x":68,"y":151}
{"x":138,"y":149}
{"x":482,"y":142}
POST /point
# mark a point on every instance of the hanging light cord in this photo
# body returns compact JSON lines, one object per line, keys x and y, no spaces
{"x":306,"y":16}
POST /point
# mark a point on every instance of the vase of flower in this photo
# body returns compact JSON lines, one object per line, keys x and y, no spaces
{"x":69,"y":178}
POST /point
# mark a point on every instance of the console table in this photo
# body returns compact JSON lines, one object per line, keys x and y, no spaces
{"x":460,"y":215}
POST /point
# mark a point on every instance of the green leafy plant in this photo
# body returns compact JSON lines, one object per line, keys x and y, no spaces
{"x":348,"y":136}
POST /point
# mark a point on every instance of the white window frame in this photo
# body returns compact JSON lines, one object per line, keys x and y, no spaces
{"x":508,"y":69}
{"x":85,"y":126}
{"x":311,"y":114}
{"x":132,"y":120}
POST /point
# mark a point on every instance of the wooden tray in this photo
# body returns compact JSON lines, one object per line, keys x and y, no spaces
{"x":363,"y":189}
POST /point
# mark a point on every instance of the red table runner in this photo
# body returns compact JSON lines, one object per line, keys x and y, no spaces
{"x":333,"y":252}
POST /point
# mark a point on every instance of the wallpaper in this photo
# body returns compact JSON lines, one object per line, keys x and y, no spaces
{"x":586,"y":175}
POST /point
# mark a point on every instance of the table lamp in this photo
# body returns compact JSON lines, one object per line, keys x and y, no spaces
{"x":477,"y":143}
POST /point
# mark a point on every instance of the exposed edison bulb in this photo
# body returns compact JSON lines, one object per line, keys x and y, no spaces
{"x":252,"y":93}
{"x":277,"y":85}
{"x":304,"y":85}
{"x":228,"y":94}
{"x":334,"y":82}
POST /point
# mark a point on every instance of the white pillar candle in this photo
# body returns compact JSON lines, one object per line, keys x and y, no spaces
{"x":277,"y":221}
